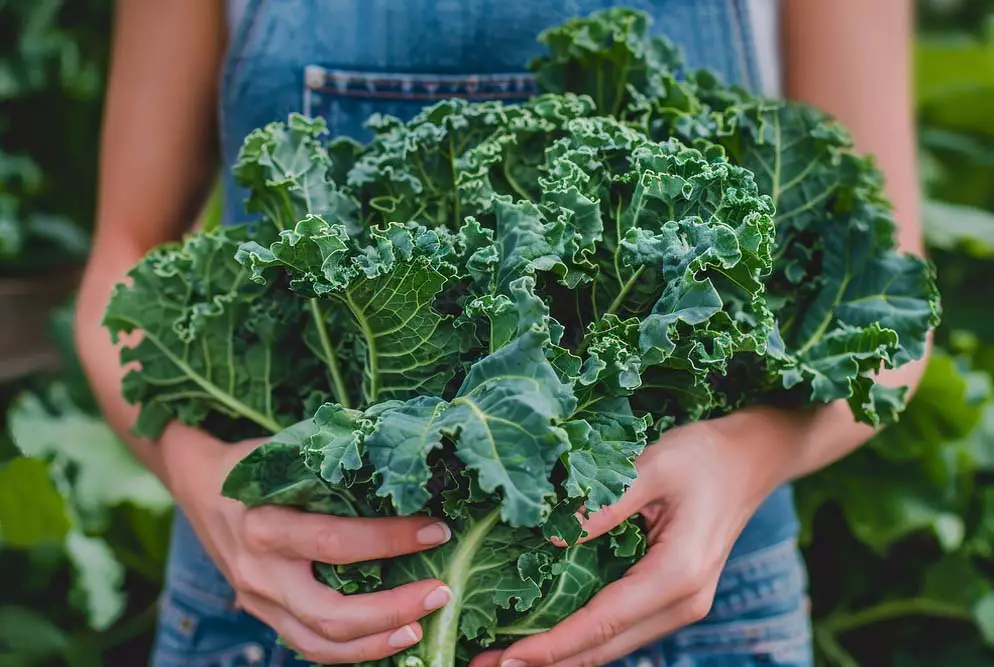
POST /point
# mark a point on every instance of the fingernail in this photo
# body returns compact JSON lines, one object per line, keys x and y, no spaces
{"x":436,"y":533}
{"x":403,"y":637}
{"x":513,"y":663}
{"x":438,"y":598}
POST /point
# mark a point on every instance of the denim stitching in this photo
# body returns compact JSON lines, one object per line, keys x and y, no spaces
{"x":790,"y":627}
{"x":762,"y":557}
{"x":779,"y":589}
{"x":386,"y":85}
{"x":208,"y":659}
{"x":172,"y":616}
{"x":178,"y":583}
{"x":744,"y":43}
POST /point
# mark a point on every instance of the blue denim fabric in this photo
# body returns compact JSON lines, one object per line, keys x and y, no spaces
{"x":346,"y":59}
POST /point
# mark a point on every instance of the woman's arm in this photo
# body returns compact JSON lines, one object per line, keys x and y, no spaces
{"x":700,"y":484}
{"x":852,"y":59}
{"x":157,"y":163}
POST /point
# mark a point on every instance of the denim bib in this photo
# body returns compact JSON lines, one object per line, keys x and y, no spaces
{"x":346,"y":59}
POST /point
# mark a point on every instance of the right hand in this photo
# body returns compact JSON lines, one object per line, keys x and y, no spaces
{"x":266,"y":553}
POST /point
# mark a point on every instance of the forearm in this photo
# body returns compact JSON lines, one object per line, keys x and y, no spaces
{"x":852,"y":59}
{"x":783,"y":445}
{"x":101,"y":358}
{"x":157,"y":163}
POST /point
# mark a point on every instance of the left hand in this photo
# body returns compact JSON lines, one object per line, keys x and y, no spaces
{"x":696,"y":489}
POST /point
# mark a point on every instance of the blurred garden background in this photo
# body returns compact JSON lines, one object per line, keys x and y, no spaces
{"x":899,"y":537}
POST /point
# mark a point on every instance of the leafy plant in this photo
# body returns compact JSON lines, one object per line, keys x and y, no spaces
{"x":79,"y":502}
{"x":52,"y":57}
{"x":488,"y":311}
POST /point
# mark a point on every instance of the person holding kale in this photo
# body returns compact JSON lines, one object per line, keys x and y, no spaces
{"x":722,"y":581}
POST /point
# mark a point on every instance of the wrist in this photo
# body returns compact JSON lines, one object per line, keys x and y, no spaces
{"x":779,"y":445}
{"x":197,"y":464}
{"x":767,"y":443}
{"x":190,"y":460}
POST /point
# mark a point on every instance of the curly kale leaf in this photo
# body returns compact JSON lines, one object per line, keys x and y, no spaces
{"x":382,"y":297}
{"x":214,"y":347}
{"x":486,"y":313}
{"x":838,"y":277}
{"x":289,"y":172}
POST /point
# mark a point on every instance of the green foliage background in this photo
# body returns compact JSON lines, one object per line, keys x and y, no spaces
{"x":899,"y":537}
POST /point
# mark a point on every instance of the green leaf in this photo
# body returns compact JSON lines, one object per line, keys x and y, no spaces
{"x":103,"y":472}
{"x":275,"y":474}
{"x":287,"y":172}
{"x":983,"y":612}
{"x":27,"y":638}
{"x":959,"y":228}
{"x":601,"y":459}
{"x":32,"y":512}
{"x":411,"y":170}
{"x":604,"y":54}
{"x":504,"y":420}
{"x":212,"y":344}
{"x":954,"y":80}
{"x":575,"y":579}
{"x":332,"y":445}
{"x":945,"y":410}
{"x":837,"y":269}
{"x":881,"y":509}
{"x":398,"y":448}
{"x":387,"y":295}
{"x":99,"y":579}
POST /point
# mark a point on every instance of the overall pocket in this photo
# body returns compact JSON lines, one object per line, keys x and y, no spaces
{"x":346,"y":99}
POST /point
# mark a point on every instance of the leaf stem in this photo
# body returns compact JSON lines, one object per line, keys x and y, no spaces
{"x":225,"y":399}
{"x":833,"y":650}
{"x":455,"y":186}
{"x":514,"y":184}
{"x":616,"y":303}
{"x":518,"y":632}
{"x":341,"y":394}
{"x":372,"y":354}
{"x":891,"y":609}
{"x":441,"y":632}
{"x":133,"y":626}
{"x":822,"y":327}
{"x":625,"y":289}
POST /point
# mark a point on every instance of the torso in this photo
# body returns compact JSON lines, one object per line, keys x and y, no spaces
{"x":346,"y":59}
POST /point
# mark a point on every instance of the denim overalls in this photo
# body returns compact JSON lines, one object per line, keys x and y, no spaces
{"x":345,"y":59}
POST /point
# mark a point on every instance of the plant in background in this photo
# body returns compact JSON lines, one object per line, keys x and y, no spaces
{"x":83,"y":528}
{"x":529,"y":294}
{"x":51,"y":76}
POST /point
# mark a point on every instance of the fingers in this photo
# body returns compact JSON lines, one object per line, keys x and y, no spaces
{"x":315,"y":648}
{"x":344,"y":617}
{"x":339,"y":540}
{"x":607,"y":518}
{"x":486,"y":659}
{"x":661,"y":581}
{"x":679,"y":615}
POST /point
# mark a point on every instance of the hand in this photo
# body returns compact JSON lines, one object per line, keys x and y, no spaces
{"x":266,"y":554}
{"x":696,"y":489}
